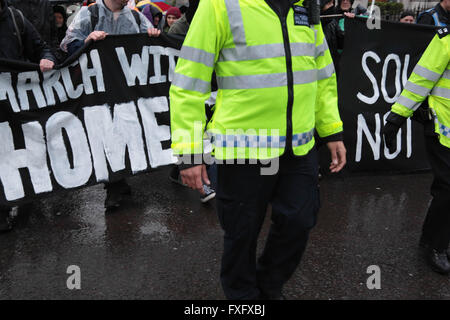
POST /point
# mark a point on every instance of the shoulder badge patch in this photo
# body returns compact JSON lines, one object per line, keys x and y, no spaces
{"x":442,"y":32}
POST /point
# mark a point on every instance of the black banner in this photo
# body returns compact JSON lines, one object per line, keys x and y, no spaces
{"x":101,"y":116}
{"x":375,"y":65}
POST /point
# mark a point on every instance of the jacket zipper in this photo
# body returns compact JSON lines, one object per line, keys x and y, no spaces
{"x":290,"y":78}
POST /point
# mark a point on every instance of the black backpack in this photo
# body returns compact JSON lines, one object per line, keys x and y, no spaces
{"x":93,"y":9}
{"x":19,"y":25}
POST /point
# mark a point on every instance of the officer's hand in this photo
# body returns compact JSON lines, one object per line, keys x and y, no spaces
{"x":390,"y":135}
{"x":96,"y":36}
{"x":153,"y":32}
{"x":193,"y":177}
{"x":46,"y":65}
{"x":338,"y":155}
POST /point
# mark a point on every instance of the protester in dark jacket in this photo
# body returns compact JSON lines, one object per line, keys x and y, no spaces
{"x":40,"y":14}
{"x":33,"y":49}
{"x":60,"y":22}
{"x":438,"y":16}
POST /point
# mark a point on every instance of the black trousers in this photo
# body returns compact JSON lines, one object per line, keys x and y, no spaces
{"x":436,"y":228}
{"x":243,"y":195}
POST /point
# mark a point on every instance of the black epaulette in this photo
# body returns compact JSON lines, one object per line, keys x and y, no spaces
{"x":442,"y":32}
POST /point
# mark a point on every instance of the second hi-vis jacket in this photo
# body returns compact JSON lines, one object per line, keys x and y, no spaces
{"x":275,"y":76}
{"x":430,"y":78}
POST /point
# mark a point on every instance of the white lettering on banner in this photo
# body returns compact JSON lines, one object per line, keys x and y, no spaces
{"x":51,"y":82}
{"x":66,"y":174}
{"x":60,"y":81}
{"x":139,"y":67}
{"x":398,"y":87}
{"x":400,"y":77}
{"x":376,"y":92}
{"x":110,"y":139}
{"x":68,"y":84}
{"x":33,"y":157}
{"x":29,"y":81}
{"x":154,"y":133}
{"x":376,"y":138}
{"x":95,"y":71}
{"x":375,"y":143}
{"x":7,"y":91}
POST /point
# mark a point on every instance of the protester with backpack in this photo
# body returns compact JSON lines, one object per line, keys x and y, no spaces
{"x":24,"y":43}
{"x":95,"y":22}
{"x":40,"y":14}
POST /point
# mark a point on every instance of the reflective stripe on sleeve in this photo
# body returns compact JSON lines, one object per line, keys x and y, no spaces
{"x":191,"y":84}
{"x":414,"y":88}
{"x":197,"y":55}
{"x":408,"y":103}
{"x":325,"y":72}
{"x":428,"y":74}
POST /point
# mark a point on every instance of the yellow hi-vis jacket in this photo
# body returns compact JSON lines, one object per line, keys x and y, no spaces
{"x":430,"y":78}
{"x":276,"y":82}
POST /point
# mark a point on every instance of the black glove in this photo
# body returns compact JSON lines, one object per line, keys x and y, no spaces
{"x":390,"y":129}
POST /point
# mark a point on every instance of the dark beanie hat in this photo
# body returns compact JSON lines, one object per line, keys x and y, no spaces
{"x":406,"y":13}
{"x":61,"y":10}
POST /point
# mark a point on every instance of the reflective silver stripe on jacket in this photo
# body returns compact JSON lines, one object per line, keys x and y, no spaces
{"x":191,"y":84}
{"x":446,"y":74}
{"x":325,"y":72}
{"x":441,"y":92}
{"x":414,"y":88}
{"x":408,"y":103}
{"x":198,"y":55}
{"x":236,"y":22}
{"x":242,"y":52}
{"x":259,"y":81}
{"x":320,"y":50}
{"x":265,"y":51}
{"x":428,"y":74}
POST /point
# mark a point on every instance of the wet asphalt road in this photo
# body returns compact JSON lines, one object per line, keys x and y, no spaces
{"x":164,"y":244}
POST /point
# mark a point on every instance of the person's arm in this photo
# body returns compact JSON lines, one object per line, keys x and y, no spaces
{"x":74,"y":46}
{"x":79,"y":30}
{"x":191,"y":85}
{"x":424,"y":76}
{"x":328,"y":122}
